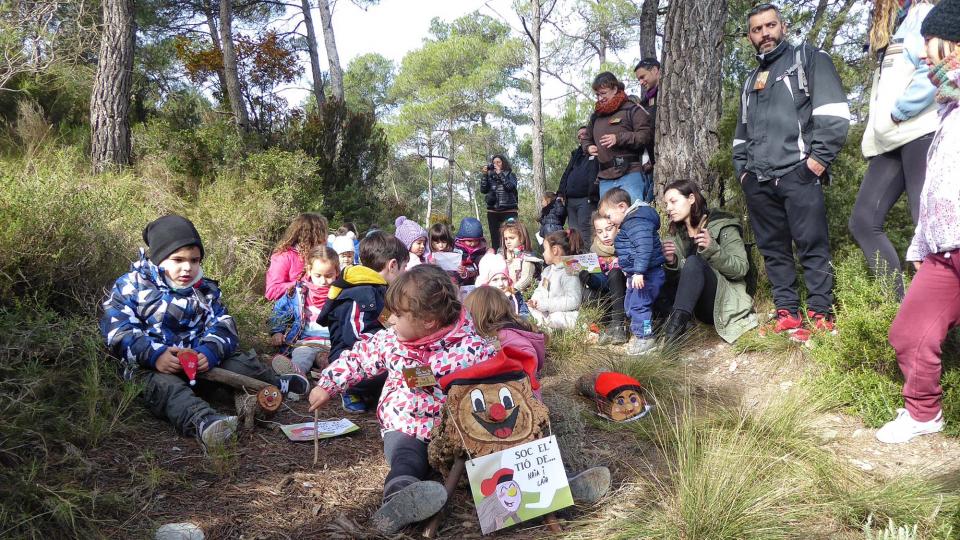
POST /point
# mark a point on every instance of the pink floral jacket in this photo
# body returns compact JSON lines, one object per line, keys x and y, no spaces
{"x":408,"y":410}
{"x":938,"y":226}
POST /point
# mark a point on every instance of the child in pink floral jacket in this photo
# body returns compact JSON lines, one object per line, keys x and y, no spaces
{"x":429,"y":329}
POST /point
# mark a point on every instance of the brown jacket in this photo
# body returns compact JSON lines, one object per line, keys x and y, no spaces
{"x":630,"y":143}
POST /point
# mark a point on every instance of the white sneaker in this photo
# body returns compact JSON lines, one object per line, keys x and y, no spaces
{"x":216,"y":430}
{"x":640,"y":346}
{"x":903,"y":428}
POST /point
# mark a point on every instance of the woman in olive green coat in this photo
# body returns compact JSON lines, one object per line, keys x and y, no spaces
{"x":705,"y":250}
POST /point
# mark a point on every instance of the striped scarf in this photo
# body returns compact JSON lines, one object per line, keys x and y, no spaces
{"x":946,"y":77}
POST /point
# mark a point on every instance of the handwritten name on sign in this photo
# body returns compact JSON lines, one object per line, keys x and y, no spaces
{"x":518,"y":484}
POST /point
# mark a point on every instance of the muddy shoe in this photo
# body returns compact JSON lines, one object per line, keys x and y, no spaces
{"x":414,"y":503}
{"x":616,"y":335}
{"x":590,"y":485}
{"x":283,"y":365}
{"x":215,"y":430}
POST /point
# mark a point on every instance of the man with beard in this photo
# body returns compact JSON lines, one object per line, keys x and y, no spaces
{"x":793,"y":122}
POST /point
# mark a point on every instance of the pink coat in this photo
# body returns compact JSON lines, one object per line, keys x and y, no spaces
{"x":285,"y":269}
{"x":412,"y":411}
{"x":532,"y":342}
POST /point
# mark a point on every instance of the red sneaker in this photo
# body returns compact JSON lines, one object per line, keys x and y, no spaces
{"x":819,"y":323}
{"x":787,"y":323}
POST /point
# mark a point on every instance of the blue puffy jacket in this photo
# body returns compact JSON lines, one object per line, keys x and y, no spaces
{"x":143,"y":316}
{"x":290,"y":318}
{"x":353,"y":313}
{"x":638,"y":242}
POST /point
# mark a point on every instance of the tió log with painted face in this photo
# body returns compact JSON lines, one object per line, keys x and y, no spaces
{"x":490,"y":407}
{"x":618,"y":397}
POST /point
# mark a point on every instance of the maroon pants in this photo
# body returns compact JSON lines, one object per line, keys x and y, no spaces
{"x":929,"y":310}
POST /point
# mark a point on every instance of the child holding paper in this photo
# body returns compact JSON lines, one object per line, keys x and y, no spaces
{"x":556,"y":301}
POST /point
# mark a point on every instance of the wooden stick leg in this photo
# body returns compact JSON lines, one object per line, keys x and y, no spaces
{"x":552,"y":523}
{"x":459,"y":465}
{"x":316,"y":437}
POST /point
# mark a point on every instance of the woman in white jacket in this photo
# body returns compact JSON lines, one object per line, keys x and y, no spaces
{"x":903,"y":117}
{"x":556,"y":301}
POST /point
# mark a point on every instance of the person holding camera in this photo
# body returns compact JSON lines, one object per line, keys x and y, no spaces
{"x":618,"y":132}
{"x":499,"y":185}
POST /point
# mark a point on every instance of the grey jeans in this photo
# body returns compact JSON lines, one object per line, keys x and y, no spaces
{"x":407,"y":457}
{"x":171,"y":396}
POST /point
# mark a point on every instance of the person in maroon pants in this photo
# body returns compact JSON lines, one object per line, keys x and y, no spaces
{"x":932,"y":304}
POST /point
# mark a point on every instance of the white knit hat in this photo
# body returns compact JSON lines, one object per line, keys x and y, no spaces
{"x":343,"y":244}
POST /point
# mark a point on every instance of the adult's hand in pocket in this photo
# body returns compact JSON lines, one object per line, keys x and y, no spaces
{"x":815,"y":166}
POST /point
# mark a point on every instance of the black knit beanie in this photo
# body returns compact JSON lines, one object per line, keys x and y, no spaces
{"x":943,"y":21}
{"x":167,"y":234}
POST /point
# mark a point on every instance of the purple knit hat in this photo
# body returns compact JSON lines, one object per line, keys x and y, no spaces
{"x":408,"y":231}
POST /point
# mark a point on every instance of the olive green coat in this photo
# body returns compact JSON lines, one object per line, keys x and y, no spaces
{"x":727,"y":256}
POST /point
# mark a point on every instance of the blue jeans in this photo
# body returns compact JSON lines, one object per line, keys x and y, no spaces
{"x":639,"y":302}
{"x":638,"y":184}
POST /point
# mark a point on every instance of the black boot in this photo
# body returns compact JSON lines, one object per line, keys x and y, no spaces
{"x":677,"y":325}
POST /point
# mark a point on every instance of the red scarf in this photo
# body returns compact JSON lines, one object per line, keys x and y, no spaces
{"x":611,"y":105}
{"x":316,"y":294}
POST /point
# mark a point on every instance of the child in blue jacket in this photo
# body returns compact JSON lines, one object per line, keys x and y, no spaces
{"x":354,"y":307}
{"x":640,"y":256}
{"x":294,"y":326}
{"x":165,"y":306}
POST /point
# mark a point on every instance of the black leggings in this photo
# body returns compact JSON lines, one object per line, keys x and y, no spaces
{"x":609,"y":291}
{"x":697,"y":289}
{"x":888,"y":176}
{"x":494,"y":220}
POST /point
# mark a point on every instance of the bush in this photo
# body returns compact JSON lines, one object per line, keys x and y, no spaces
{"x":860,"y":367}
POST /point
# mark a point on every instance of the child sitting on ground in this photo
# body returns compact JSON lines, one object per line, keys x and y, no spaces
{"x":515,"y":246}
{"x":556,"y":302}
{"x":495,"y":318}
{"x":429,"y":328}
{"x":294,"y":322}
{"x":610,"y":285}
{"x":164,"y":307}
{"x":354,"y":306}
{"x":552,"y":214}
{"x":473,"y":245}
{"x":345,"y":249}
{"x":494,"y":273}
{"x":414,"y":237}
{"x":306,"y":232}
{"x":641,"y":258}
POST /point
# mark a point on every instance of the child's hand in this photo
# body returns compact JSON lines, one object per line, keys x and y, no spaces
{"x":318,"y":397}
{"x":168,"y":361}
{"x":203,"y":365}
{"x":608,"y":141}
{"x":636,"y":282}
{"x":592,"y":150}
{"x":462,"y":270}
{"x":532,"y":304}
{"x":277,"y":339}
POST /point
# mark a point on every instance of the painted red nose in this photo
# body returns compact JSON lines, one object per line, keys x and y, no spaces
{"x":497,"y":413}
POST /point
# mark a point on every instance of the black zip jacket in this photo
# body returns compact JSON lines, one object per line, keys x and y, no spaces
{"x":579,"y":176}
{"x":500,"y":190}
{"x":797,"y":114}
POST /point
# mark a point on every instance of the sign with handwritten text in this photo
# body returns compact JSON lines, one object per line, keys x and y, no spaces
{"x":575,"y":263}
{"x":518,"y":484}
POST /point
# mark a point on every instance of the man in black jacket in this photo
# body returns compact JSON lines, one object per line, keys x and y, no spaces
{"x":793,"y":122}
{"x":578,"y":183}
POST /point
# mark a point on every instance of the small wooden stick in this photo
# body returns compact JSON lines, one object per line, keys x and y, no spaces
{"x":459,"y":465}
{"x":316,"y":437}
{"x":552,"y":523}
{"x":703,"y":222}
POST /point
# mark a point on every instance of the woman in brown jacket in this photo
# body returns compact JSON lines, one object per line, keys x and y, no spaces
{"x":617,"y":133}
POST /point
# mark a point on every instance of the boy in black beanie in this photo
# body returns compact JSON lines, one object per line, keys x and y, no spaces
{"x":164,"y":307}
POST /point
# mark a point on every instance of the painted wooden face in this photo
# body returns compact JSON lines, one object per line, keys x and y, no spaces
{"x":624,"y":405}
{"x":269,"y":398}
{"x":496,"y":416}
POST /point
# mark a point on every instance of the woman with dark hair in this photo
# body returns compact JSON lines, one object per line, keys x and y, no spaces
{"x":617,"y":133}
{"x":499,"y":184}
{"x":707,"y":259}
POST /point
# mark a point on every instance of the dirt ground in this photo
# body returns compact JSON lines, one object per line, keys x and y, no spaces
{"x":269,"y":487}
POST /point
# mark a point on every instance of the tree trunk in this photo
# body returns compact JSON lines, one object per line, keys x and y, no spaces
{"x":539,"y":170}
{"x":451,"y":163}
{"x":648,"y":28}
{"x":818,"y":20}
{"x":215,"y":40}
{"x":689,"y":104}
{"x":836,"y":23}
{"x":234,"y":94}
{"x":429,"y":183}
{"x":314,"y":53}
{"x":336,"y":74}
{"x":110,"y":100}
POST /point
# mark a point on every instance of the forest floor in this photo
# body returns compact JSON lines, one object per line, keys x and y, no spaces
{"x":269,"y":487}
